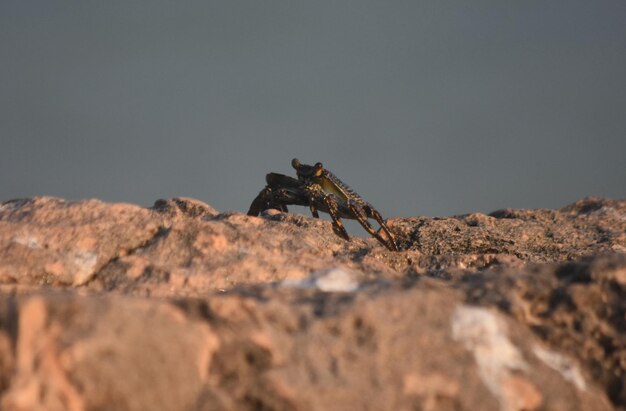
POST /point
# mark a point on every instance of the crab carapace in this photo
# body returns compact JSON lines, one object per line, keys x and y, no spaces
{"x":320,"y":190}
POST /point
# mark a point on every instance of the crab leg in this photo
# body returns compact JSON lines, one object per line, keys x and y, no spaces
{"x":314,"y":212}
{"x":361,"y":216}
{"x":333,"y":210}
{"x":328,"y":203}
{"x":379,"y":219}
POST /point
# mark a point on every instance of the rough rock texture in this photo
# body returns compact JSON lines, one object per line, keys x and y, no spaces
{"x":180,"y":307}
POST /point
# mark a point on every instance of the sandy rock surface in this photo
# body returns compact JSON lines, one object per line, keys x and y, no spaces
{"x":181,"y":307}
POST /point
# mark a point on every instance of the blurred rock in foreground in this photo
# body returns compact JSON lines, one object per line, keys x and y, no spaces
{"x":180,"y":307}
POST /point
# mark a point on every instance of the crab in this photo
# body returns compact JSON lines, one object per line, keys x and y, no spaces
{"x":320,"y":190}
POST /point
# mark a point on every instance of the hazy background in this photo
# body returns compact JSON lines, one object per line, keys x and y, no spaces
{"x":423,"y":107}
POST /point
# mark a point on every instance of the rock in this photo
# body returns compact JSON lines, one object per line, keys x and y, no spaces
{"x":333,"y":280}
{"x":76,"y":354}
{"x":578,"y":307}
{"x":114,"y":306}
{"x":187,"y":207}
{"x":589,"y":226}
{"x":48,"y":241}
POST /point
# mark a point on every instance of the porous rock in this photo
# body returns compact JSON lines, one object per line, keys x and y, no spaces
{"x":178,"y":306}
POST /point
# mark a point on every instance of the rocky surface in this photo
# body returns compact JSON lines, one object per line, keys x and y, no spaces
{"x":180,"y":307}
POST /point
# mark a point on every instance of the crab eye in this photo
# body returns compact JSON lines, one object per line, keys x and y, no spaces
{"x":295,"y":163}
{"x":318,"y":169}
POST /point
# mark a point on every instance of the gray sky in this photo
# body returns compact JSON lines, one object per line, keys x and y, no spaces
{"x":424,"y":107}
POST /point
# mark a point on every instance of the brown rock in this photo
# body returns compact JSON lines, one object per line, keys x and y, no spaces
{"x":76,"y":354}
{"x":114,"y":306}
{"x":577,"y":307}
{"x":48,"y":241}
{"x":290,"y":349}
{"x":184,"y":207}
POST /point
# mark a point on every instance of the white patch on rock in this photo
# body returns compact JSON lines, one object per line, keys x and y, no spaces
{"x":565,"y":366}
{"x":485,"y":334}
{"x":28,"y":241}
{"x":85,"y":263}
{"x":333,"y":280}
